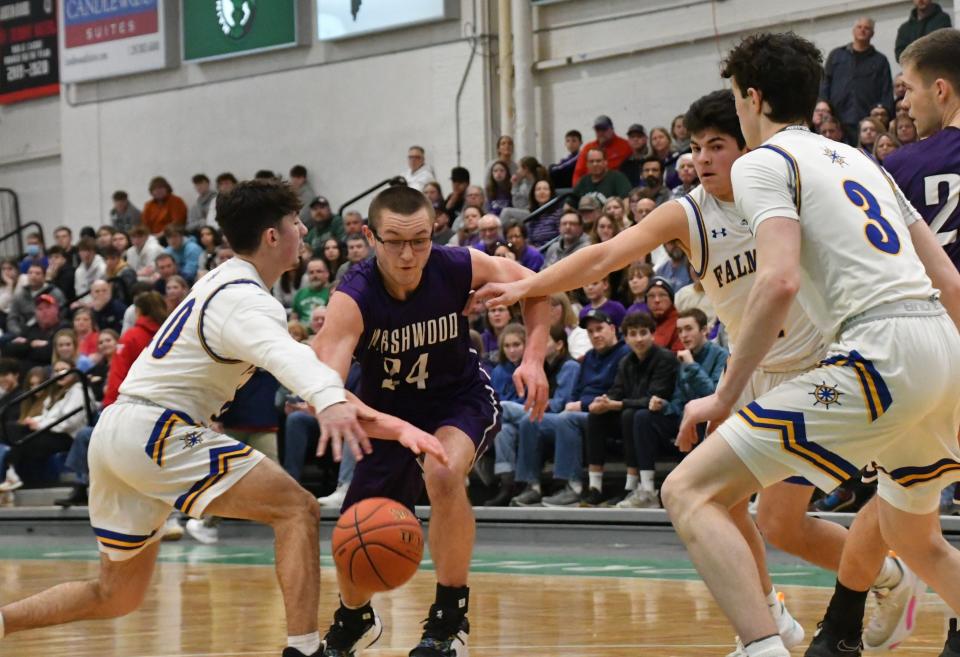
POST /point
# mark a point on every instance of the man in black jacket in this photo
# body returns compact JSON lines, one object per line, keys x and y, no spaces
{"x":925,"y":17}
{"x":647,"y":371}
{"x":35,"y":345}
{"x":856,"y":77}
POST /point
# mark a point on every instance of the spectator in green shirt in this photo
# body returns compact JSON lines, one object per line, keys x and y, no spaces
{"x":315,"y":293}
{"x":325,"y":224}
{"x":600,"y":181}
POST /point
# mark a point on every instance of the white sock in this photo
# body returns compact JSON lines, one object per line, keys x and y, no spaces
{"x":646,"y":481}
{"x":305,"y":643}
{"x":596,"y":480}
{"x":890,"y":574}
{"x":632,"y":482}
{"x":576,"y":486}
{"x":535,"y":486}
{"x":770,"y":647}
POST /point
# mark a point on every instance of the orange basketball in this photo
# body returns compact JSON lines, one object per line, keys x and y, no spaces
{"x":377,"y":544}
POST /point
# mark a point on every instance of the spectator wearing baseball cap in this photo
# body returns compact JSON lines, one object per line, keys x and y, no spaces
{"x":34,"y":346}
{"x":659,"y":298}
{"x":640,"y":149}
{"x":614,"y":147}
{"x":325,"y":224}
{"x":589,"y":208}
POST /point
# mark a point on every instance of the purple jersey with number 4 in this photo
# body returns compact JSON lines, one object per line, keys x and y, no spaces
{"x":416,"y":353}
{"x":928,"y":172}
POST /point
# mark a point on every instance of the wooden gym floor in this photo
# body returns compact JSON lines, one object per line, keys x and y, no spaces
{"x":223,"y":601}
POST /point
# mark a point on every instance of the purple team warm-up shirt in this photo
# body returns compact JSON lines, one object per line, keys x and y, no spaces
{"x":928,"y":172}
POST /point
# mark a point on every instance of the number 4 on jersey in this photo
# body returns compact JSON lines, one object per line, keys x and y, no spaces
{"x":418,"y":374}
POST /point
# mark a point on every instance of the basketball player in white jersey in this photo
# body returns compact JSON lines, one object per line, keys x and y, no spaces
{"x":834,"y":232}
{"x":723,"y":253}
{"x":153,"y":449}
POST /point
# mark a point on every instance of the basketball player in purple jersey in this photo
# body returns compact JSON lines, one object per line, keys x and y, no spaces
{"x":401,"y":315}
{"x":928,"y":173}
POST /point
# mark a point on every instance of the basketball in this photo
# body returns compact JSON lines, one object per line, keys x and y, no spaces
{"x":377,"y":544}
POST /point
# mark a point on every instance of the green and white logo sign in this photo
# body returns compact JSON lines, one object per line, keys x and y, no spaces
{"x":214,"y":29}
{"x":235,"y":17}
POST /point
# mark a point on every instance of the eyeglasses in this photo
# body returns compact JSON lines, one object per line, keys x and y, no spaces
{"x":395,"y":247}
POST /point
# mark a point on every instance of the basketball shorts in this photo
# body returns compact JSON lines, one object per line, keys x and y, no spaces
{"x":145,"y":460}
{"x":886,"y":393}
{"x":393,"y":471}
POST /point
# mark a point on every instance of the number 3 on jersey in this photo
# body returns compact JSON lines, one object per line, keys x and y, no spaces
{"x":878,"y":230}
{"x":418,"y":373}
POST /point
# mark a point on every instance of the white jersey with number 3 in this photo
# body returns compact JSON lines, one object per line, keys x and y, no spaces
{"x":209,"y":346}
{"x":856,"y":248}
{"x":724,"y":255}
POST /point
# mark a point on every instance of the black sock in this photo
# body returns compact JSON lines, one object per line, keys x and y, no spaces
{"x":845,"y":613}
{"x":355,"y":617}
{"x":453,"y":599}
{"x":953,"y":635}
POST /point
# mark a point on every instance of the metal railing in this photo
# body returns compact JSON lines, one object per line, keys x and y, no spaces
{"x":28,"y":394}
{"x":10,"y":223}
{"x":396,"y":180}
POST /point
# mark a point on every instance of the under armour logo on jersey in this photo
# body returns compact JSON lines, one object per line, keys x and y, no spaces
{"x":717,"y":234}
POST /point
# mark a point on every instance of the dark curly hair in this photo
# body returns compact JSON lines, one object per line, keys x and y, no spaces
{"x":785,"y":68}
{"x":718,"y":111}
{"x":251,"y":208}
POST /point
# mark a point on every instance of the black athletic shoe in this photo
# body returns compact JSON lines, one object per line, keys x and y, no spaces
{"x":348,"y":639}
{"x":591,"y":497}
{"x":293,"y":652}
{"x":827,"y":644}
{"x":77,"y":497}
{"x":948,"y":651}
{"x":444,"y":635}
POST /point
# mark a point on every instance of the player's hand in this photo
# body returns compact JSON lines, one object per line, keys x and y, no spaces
{"x":340,"y":423}
{"x":421,"y":442}
{"x":531,"y":384}
{"x":502,"y":294}
{"x":705,"y":409}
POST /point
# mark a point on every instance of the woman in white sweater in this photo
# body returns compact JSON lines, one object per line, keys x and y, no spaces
{"x":62,"y":399}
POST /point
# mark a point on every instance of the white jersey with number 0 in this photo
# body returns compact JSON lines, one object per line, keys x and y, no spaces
{"x":856,"y":248}
{"x":724,"y":254}
{"x":209,"y":346}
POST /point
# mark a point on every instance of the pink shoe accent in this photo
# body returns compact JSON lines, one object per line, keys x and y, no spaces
{"x":911,"y":613}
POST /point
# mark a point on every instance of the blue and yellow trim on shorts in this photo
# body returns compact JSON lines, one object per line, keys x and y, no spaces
{"x":875,"y":392}
{"x":921,"y":474}
{"x":793,"y":436}
{"x":794,"y":167}
{"x":118,"y":541}
{"x":161,"y":431}
{"x":220,"y":458}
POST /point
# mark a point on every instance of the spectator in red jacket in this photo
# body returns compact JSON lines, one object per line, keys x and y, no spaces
{"x":151,"y":310}
{"x":660,"y":301}
{"x":616,"y":148}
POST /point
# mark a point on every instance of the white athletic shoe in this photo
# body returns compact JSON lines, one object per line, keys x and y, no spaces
{"x":335,"y":499}
{"x":895,"y":615}
{"x":791,"y":632}
{"x":172,"y":530}
{"x":202,"y":531}
{"x":640,"y":499}
{"x":12,"y":482}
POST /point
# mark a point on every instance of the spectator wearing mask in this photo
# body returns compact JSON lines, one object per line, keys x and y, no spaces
{"x":142,"y":255}
{"x":925,"y":17}
{"x":600,"y":180}
{"x":676,"y":270}
{"x":857,"y":77}
{"x":23,"y":307}
{"x":615,"y":148}
{"x":545,"y":227}
{"x":185,"y":251}
{"x":570,"y":240}
{"x":659,"y":299}
{"x":315,"y":293}
{"x":418,"y":172}
{"x":92,"y":268}
{"x":647,"y":371}
{"x":124,"y":215}
{"x":163,"y":208}
{"x":34,"y":344}
{"x":197,"y":214}
{"x":34,"y":253}
{"x":561,"y":173}
{"x":566,"y":429}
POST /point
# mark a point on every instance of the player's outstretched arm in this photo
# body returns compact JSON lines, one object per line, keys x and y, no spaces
{"x":939,"y":268}
{"x":334,"y":345}
{"x":776,"y":285}
{"x":588,"y":265}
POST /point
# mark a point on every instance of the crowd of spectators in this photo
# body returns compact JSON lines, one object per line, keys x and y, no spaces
{"x":626,"y":352}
